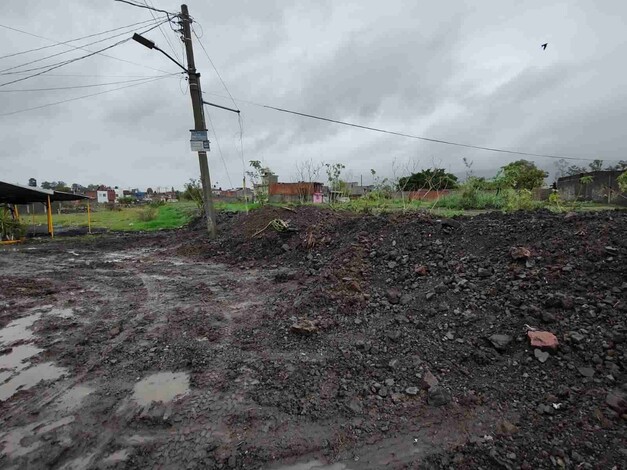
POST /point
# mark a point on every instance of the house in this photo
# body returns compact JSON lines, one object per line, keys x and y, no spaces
{"x":102,"y":197}
{"x":596,"y":186}
{"x":293,"y":192}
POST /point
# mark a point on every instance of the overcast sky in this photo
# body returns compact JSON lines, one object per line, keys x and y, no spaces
{"x":469,"y":72}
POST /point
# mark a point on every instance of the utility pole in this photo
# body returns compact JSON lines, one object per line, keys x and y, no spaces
{"x":199,"y":120}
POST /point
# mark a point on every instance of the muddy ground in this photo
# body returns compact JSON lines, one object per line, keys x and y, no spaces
{"x":349,"y":342}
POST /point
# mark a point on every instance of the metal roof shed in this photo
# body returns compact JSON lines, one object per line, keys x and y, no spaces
{"x":18,"y":194}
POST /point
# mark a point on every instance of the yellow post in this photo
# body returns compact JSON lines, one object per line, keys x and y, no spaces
{"x":17,"y":212}
{"x":49,"y":211}
{"x":88,"y":217}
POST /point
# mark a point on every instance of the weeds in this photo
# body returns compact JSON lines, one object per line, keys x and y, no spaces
{"x":147,"y":213}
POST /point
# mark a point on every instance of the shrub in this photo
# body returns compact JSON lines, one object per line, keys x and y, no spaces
{"x":147,"y":213}
{"x":10,"y":228}
{"x":521,"y":200}
{"x":622,"y":182}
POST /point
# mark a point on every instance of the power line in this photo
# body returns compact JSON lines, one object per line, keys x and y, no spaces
{"x":6,"y":71}
{"x":410,"y":136}
{"x":161,"y":30}
{"x":219,"y":149}
{"x":82,"y":86}
{"x":147,"y":7}
{"x":61,"y":64}
{"x":87,"y":50}
{"x":66,"y":42}
{"x":214,"y":67}
{"x":80,"y":97}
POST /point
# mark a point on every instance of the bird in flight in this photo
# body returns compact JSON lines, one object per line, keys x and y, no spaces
{"x":543,"y":46}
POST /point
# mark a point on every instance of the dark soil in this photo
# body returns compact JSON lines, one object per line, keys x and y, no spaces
{"x":393,"y":341}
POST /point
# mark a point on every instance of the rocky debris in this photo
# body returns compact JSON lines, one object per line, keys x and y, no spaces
{"x":543,"y":340}
{"x":411,"y":391}
{"x":500,"y":342}
{"x":429,"y":380}
{"x":506,"y":428}
{"x":393,"y":296}
{"x":587,"y":372}
{"x":438,"y":396}
{"x":519,"y":253}
{"x":617,"y":400}
{"x":304,"y":326}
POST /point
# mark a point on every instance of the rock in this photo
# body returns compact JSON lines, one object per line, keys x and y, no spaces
{"x":389,"y":382}
{"x":304,"y":327}
{"x":411,"y":391}
{"x":519,"y":253}
{"x":576,"y":337}
{"x":570,"y":216}
{"x":392,"y":264}
{"x":441,"y":289}
{"x":393,"y":364}
{"x":482,"y":272}
{"x":505,"y":428}
{"x":430,"y":295}
{"x":393,"y":296}
{"x":586,"y":371}
{"x":617,"y":400}
{"x":383,"y":392}
{"x":542,"y":339}
{"x":4,"y":351}
{"x":541,"y":356}
{"x":406,"y":299}
{"x":548,"y":317}
{"x":438,"y":396}
{"x":355,"y":406}
{"x":285,"y":247}
{"x":500,"y":342}
{"x":429,"y":381}
{"x":421,"y":270}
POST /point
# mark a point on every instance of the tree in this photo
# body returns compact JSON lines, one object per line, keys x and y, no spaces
{"x":596,"y":165}
{"x":307,"y":171}
{"x":622,"y":182}
{"x":334,"y":171}
{"x":193,"y":192}
{"x":523,"y":174}
{"x":259,"y":177}
{"x":620,"y":166}
{"x":432,"y":179}
{"x":48,"y":184}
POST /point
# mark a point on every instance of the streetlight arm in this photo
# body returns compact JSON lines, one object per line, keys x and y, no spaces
{"x":151,"y":45}
{"x":172,"y":59}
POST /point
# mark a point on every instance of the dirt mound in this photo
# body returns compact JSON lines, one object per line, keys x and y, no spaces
{"x":399,"y":299}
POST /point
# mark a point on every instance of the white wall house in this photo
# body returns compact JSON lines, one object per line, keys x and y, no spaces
{"x":102,"y":196}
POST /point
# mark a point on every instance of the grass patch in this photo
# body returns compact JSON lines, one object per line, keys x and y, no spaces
{"x":127,"y":219}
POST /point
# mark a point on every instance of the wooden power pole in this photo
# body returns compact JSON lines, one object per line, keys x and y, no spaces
{"x":199,"y":120}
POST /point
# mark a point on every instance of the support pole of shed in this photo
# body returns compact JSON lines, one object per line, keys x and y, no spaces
{"x":49,"y":212}
{"x":89,"y":217}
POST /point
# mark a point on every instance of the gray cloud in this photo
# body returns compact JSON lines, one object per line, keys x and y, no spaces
{"x":469,"y":74}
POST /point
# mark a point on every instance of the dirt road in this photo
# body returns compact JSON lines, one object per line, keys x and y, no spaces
{"x":130,"y":352}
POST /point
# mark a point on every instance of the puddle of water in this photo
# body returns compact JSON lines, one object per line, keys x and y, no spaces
{"x":116,"y":457}
{"x":18,"y":330}
{"x":80,"y":463}
{"x":62,"y":312}
{"x":55,"y":424}
{"x":28,"y":378}
{"x":24,"y":440}
{"x":314,"y":465}
{"x":15,"y":359}
{"x":163,"y":387}
{"x":72,"y":399}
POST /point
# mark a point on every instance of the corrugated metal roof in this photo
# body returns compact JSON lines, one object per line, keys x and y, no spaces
{"x":18,"y":194}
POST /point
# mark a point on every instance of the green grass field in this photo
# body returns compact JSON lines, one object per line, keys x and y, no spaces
{"x":175,"y":215}
{"x":129,"y":218}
